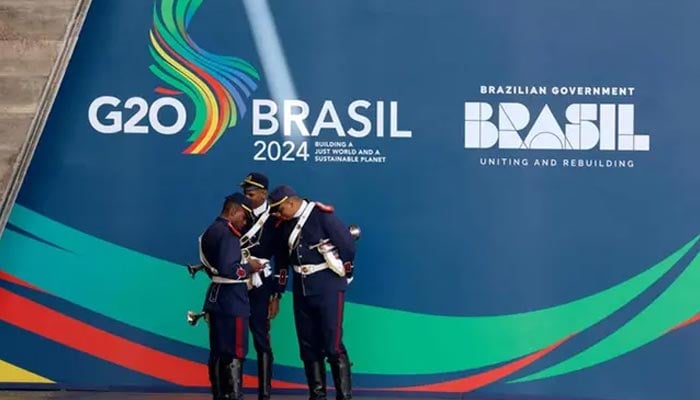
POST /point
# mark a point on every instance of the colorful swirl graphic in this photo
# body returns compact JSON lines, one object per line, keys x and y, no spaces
{"x":217,"y":85}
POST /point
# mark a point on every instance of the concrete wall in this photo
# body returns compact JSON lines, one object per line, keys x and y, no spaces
{"x":33,"y":34}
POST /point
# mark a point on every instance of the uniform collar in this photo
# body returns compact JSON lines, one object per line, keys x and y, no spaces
{"x":301,"y":209}
{"x":260,"y":210}
{"x":229,"y":225}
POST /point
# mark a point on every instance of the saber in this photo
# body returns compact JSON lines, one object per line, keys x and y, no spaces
{"x":331,"y":254}
{"x":355,"y":232}
{"x":193,"y":318}
{"x":193,"y":269}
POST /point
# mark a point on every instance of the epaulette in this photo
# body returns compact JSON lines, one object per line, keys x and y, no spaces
{"x":324,"y":207}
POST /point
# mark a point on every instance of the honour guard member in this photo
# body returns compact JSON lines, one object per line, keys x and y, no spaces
{"x":321,"y":252}
{"x":226,"y":305}
{"x":260,"y":239}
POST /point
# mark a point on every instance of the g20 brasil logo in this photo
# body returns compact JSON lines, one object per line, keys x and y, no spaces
{"x":218,"y":86}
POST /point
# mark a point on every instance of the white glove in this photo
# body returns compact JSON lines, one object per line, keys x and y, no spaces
{"x":256,"y":280}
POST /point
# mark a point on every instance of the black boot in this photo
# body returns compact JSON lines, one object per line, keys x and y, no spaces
{"x":235,"y":376}
{"x":316,"y":378}
{"x":220,"y":377}
{"x":264,"y":376}
{"x":340,"y":368}
{"x":215,"y":377}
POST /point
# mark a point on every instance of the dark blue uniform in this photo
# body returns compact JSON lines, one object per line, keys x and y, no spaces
{"x":261,"y":244}
{"x":264,"y":241}
{"x":227,"y":307}
{"x":319,"y":296}
{"x":227,"y":304}
{"x":265,"y":244}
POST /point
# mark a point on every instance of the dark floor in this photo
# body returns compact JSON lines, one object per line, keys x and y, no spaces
{"x":85,"y":395}
{"x":63,"y":395}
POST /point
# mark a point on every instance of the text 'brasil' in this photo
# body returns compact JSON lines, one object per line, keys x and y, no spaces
{"x":587,"y":126}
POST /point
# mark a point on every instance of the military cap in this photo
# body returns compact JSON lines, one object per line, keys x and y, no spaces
{"x":240,"y":199}
{"x":255,"y":180}
{"x":279,"y":195}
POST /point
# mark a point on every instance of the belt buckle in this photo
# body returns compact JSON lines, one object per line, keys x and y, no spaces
{"x":304,"y":270}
